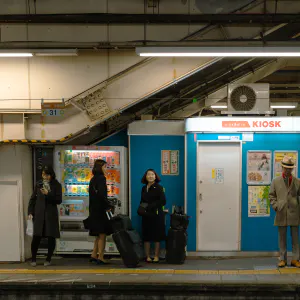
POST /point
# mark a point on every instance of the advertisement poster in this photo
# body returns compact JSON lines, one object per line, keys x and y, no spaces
{"x":165,"y":162}
{"x":74,"y":208}
{"x":278,"y":156}
{"x":169,"y":162}
{"x":259,"y":167}
{"x":258,"y":201}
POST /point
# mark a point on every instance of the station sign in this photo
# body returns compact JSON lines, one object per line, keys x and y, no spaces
{"x":53,"y":109}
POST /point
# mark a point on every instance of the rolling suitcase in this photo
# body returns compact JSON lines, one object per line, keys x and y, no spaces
{"x":121,"y":222}
{"x":129,"y":245}
{"x":176,"y":243}
{"x":179,"y":221}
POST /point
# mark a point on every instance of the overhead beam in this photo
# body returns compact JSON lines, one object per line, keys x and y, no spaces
{"x":284,"y":85}
{"x":285,"y":91}
{"x":103,"y":18}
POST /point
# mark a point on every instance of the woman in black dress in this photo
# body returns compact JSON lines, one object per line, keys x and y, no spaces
{"x":42,"y":209}
{"x":98,"y":206}
{"x":153,"y":224}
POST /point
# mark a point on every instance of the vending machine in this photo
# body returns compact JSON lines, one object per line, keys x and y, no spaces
{"x":73,"y":167}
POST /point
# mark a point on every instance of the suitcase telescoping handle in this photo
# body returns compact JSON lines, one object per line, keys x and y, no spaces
{"x":109,"y":215}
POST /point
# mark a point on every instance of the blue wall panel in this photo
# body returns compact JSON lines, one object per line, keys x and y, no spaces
{"x":145,"y":153}
{"x":258,"y":233}
{"x":118,"y":139}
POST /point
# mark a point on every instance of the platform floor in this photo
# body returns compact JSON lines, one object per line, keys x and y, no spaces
{"x":239,"y":271}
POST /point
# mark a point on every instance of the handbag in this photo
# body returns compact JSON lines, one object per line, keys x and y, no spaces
{"x":142,"y":209}
{"x":86,"y":223}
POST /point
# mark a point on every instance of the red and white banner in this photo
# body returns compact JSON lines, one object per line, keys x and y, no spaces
{"x":243,"y":124}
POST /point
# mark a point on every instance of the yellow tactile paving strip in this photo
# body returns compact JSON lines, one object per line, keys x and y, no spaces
{"x":152,"y":271}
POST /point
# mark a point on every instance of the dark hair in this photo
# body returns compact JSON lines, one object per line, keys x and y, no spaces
{"x":48,"y":170}
{"x":144,"y":179}
{"x":98,"y":164}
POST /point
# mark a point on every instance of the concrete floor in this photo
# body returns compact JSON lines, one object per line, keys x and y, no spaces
{"x":69,"y":277}
{"x":195,"y":271}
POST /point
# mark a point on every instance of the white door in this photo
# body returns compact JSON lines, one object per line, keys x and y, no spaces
{"x":218,"y":199}
{"x":10,"y":233}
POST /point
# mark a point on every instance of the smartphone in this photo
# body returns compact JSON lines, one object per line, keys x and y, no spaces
{"x":40,"y":185}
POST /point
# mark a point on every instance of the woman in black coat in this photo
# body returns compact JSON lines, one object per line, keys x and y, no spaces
{"x":98,"y":222}
{"x":42,"y":209}
{"x":153,"y":224}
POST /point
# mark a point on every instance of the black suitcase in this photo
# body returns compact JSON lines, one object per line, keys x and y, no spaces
{"x":179,"y":221}
{"x":121,"y":222}
{"x":176,"y":243}
{"x":129,"y":245}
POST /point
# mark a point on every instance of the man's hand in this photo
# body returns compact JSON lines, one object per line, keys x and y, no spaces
{"x":30,"y":217}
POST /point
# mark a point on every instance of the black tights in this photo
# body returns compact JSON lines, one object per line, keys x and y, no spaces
{"x":35,"y":246}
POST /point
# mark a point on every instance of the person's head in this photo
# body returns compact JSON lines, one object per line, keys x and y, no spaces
{"x":48,"y":173}
{"x":288,"y":165}
{"x":99,"y":167}
{"x":150,"y":176}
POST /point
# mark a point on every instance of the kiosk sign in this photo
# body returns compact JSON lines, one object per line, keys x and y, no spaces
{"x":243,"y":124}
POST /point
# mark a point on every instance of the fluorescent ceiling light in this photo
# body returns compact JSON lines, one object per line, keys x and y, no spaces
{"x":283,"y":106}
{"x":56,"y":52}
{"x":218,"y":106}
{"x":219,"y":51}
{"x":2,"y":54}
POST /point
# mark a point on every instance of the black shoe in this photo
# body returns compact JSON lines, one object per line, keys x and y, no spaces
{"x":101,"y":262}
{"x":93,"y":260}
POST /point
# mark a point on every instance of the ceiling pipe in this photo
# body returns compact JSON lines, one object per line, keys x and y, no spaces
{"x":249,"y":19}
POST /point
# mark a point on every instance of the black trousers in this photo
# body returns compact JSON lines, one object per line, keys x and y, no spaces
{"x":36,"y":243}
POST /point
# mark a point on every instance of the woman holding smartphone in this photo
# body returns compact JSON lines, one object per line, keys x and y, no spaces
{"x":42,"y":209}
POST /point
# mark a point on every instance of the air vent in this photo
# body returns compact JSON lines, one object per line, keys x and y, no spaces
{"x":243,"y":98}
{"x":248,"y":98}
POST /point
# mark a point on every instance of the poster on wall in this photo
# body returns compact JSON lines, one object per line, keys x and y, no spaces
{"x":258,"y":167}
{"x":258,"y":201}
{"x":278,"y":156}
{"x":170,"y":162}
{"x":218,"y":176}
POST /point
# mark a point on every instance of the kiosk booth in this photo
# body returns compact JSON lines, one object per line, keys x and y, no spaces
{"x":229,"y":165}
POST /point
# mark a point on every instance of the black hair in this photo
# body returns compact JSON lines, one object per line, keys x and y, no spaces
{"x":48,"y":170}
{"x":97,"y":169}
{"x":144,"y":178}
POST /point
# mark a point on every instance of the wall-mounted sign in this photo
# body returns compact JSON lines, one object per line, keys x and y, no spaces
{"x":258,"y":167}
{"x":243,"y":124}
{"x":278,"y":156}
{"x":53,"y":109}
{"x":169,"y":162}
{"x":218,"y":175}
{"x":258,"y":201}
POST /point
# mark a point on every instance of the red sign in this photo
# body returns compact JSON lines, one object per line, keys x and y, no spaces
{"x":53,"y":105}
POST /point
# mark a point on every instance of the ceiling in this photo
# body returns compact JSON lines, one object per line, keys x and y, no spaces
{"x":256,"y":22}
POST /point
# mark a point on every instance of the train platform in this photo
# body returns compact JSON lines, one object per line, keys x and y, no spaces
{"x":67,"y":276}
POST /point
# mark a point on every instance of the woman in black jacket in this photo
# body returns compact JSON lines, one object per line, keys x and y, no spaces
{"x":98,"y":222}
{"x":153,"y":224}
{"x":42,"y":209}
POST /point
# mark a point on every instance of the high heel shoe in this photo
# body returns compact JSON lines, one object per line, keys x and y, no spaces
{"x":93,"y":260}
{"x":101,"y":262}
{"x":149,"y":260}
